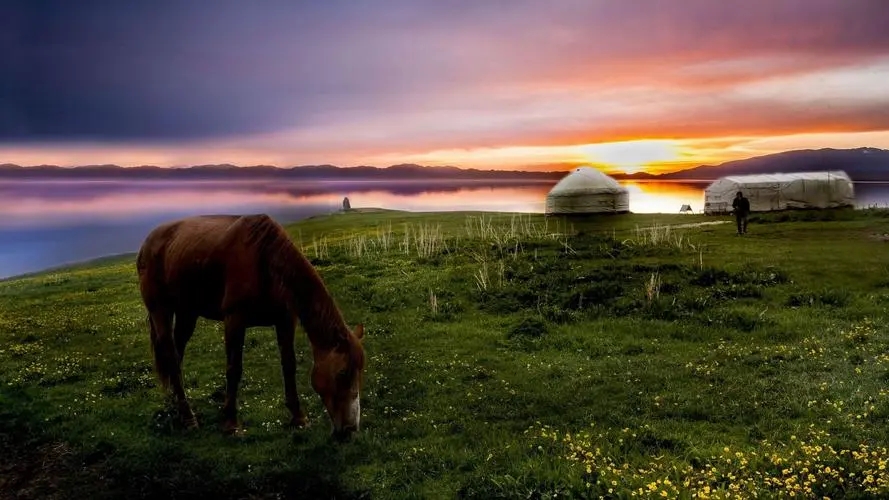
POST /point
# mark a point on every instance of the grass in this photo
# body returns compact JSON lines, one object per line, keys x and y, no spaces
{"x":508,"y":356}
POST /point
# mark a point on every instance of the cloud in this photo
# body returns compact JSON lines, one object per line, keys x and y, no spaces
{"x":577,"y":116}
{"x":312,"y":82}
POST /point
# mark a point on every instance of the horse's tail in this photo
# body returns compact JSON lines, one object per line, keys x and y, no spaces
{"x":161,"y":361}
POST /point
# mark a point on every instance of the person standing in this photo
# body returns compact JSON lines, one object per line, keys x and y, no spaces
{"x":741,"y":207}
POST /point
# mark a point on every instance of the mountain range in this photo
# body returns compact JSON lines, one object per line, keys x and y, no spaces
{"x":228,"y":171}
{"x":861,"y":164}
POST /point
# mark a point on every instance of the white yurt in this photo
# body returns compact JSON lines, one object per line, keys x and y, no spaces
{"x":769,"y":192}
{"x":586,"y":190}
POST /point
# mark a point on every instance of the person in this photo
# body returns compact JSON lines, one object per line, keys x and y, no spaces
{"x":741,"y":207}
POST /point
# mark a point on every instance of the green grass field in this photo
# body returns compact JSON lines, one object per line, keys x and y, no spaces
{"x":508,"y":357}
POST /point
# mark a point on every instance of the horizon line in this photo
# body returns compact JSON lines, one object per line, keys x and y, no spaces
{"x":561,"y":168}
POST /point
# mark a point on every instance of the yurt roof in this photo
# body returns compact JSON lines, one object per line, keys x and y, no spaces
{"x":781,"y":177}
{"x":586,"y":179}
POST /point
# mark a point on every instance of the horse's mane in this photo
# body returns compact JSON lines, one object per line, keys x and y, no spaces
{"x":288,"y":271}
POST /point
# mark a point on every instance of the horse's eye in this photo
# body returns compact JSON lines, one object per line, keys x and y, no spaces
{"x":342,"y":376}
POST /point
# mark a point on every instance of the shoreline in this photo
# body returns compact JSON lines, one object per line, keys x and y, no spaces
{"x":87,"y":262}
{"x":68,"y":266}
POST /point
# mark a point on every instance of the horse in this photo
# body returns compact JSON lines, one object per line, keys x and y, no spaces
{"x":246,"y":272}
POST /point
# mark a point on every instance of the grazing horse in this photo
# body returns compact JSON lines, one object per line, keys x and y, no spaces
{"x":246,"y":272}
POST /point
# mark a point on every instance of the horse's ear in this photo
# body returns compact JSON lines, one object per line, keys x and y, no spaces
{"x":359,"y":331}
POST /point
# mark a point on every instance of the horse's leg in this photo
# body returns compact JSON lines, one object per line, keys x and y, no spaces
{"x":166,"y":350}
{"x":284,"y":331}
{"x":182,"y":332}
{"x":234,"y":352}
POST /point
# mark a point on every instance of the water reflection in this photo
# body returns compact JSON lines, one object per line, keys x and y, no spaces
{"x":665,"y":197}
{"x":41,"y":203}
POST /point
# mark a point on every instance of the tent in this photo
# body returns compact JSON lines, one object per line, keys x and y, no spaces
{"x":768,"y":192}
{"x":586,"y":190}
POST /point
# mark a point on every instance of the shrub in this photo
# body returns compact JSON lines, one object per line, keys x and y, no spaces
{"x":529,"y":327}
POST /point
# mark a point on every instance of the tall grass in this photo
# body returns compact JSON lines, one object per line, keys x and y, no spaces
{"x":660,"y":236}
{"x":361,"y":245}
{"x":383,"y":239}
{"x":430,"y":239}
{"x":320,"y":247}
{"x":433,"y":302}
{"x":481,"y":277}
{"x":519,"y":227}
{"x":653,"y":287}
{"x":406,"y":241}
{"x":357,"y":246}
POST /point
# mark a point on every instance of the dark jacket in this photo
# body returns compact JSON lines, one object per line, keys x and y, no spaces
{"x":741,"y":206}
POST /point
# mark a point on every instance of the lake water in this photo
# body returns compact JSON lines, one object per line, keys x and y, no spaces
{"x":47,"y":223}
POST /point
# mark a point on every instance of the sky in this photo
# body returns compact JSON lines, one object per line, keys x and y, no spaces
{"x":655,"y":85}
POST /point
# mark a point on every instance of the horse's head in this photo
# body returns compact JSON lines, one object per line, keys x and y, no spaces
{"x":336,"y":377}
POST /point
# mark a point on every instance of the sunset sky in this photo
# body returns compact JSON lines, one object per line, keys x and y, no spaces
{"x":511,"y":84}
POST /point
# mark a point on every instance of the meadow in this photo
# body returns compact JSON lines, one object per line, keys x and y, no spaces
{"x":509,"y":356}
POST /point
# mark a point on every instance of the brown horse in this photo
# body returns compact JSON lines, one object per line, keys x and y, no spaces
{"x":246,"y":272}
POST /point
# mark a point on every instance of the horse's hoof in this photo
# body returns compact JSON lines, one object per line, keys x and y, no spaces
{"x":189,"y":420}
{"x":299,"y":422}
{"x":235,"y":432}
{"x":232,"y":429}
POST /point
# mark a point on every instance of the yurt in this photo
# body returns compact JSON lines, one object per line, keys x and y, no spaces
{"x":769,"y":192}
{"x":586,"y":190}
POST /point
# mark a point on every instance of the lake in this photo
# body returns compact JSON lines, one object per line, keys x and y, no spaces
{"x":47,"y":223}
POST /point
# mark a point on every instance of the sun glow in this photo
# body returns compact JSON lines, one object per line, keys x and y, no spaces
{"x":631,"y":156}
{"x":655,"y":156}
{"x":630,"y":169}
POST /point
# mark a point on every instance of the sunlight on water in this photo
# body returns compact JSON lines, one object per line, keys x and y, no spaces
{"x":664,"y":197}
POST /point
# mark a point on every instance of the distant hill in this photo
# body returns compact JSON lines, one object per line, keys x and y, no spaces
{"x":228,"y":171}
{"x":861,"y":164}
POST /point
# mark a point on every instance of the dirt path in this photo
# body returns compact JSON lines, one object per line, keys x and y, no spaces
{"x":689,"y":225}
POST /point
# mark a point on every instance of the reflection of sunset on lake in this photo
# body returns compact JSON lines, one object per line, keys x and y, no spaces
{"x":664,"y":197}
{"x":496,"y":199}
{"x":32,"y":210}
{"x":35,"y":204}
